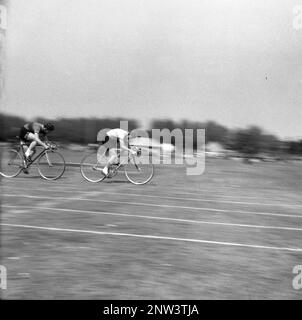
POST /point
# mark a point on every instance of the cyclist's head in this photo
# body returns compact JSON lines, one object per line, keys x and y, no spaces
{"x":49,"y":126}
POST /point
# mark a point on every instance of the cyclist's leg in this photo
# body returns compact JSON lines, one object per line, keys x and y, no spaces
{"x":24,"y":148}
{"x":111,"y":144}
{"x":22,"y":136}
{"x":113,"y":156}
{"x":112,"y":160}
{"x":31,"y":149}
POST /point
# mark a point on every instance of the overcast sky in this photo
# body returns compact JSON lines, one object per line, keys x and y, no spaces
{"x":237,"y":62}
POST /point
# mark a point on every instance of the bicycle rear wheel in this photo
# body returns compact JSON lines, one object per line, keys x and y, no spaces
{"x":11,"y":163}
{"x":91,"y":166}
{"x":51,"y":165}
{"x":138,"y":171}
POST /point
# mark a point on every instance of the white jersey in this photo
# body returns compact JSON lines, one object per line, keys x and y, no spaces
{"x":117,"y":133}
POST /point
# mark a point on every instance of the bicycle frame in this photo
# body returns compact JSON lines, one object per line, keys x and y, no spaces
{"x":97,"y":161}
{"x":45,"y":159}
{"x":122,"y":163}
{"x":29,"y":163}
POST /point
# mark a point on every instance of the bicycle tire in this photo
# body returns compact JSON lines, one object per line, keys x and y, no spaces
{"x":134,"y":166}
{"x":11,"y":163}
{"x":91,"y":166}
{"x":53,"y":168}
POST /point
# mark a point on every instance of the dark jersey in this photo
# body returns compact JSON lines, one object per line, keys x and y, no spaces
{"x":34,"y":127}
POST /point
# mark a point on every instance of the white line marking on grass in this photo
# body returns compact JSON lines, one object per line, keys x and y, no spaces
{"x":238,"y":196}
{"x":59,"y":183}
{"x":119,"y":234}
{"x":156,"y":205}
{"x":218,"y":195}
{"x":70,"y":186}
{"x":77,"y":211}
{"x":177,"y":198}
{"x":77,"y":248}
{"x":194,"y":199}
{"x":76,"y":187}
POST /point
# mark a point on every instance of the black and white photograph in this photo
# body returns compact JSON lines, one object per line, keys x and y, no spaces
{"x":151,"y":150}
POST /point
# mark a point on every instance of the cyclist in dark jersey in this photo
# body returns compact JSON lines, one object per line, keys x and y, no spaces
{"x":31,"y":132}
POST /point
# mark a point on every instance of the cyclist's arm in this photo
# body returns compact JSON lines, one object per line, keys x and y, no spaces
{"x":39,"y":141}
{"x":124,"y":146}
{"x":37,"y":129}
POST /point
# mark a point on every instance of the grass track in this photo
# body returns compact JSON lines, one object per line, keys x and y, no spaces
{"x":54,"y":264}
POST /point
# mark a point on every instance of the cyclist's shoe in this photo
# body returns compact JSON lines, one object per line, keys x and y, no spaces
{"x":25,"y":171}
{"x":105,"y":171}
{"x":24,"y":163}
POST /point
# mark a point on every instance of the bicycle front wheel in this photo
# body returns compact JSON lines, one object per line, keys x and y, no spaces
{"x":91,"y":166}
{"x":138,"y":171}
{"x":51,"y":165}
{"x":11,"y":163}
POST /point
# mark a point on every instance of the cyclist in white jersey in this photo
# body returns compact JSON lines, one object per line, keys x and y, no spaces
{"x":114,"y":138}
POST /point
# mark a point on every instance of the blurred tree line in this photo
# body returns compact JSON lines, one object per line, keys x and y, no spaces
{"x":69,"y":130}
{"x":249,"y":141}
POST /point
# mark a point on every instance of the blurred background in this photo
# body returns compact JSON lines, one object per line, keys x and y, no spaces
{"x":251,"y":142}
{"x":230,"y":67}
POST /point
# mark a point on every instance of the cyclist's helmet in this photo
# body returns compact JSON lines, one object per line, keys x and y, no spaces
{"x":49,"y":126}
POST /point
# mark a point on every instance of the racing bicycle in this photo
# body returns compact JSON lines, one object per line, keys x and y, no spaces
{"x":50,"y":163}
{"x":137,"y":167}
